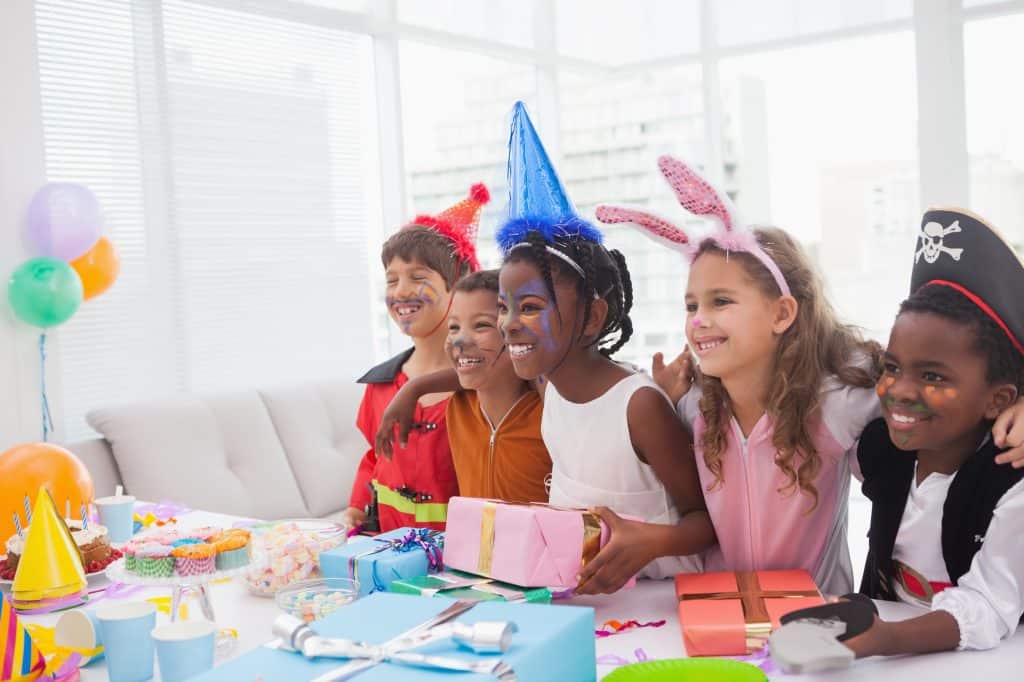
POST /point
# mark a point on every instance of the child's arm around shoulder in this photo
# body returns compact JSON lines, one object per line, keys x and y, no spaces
{"x":1008,"y":432}
{"x":402,"y":407}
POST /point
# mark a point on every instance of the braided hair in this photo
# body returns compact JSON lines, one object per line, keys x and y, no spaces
{"x":605,"y":275}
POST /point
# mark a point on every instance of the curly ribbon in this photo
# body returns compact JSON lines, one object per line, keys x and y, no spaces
{"x":613,"y":659}
{"x":50,"y":605}
{"x":163,"y":605}
{"x":760,"y":659}
{"x":422,"y":538}
{"x":114,"y":591}
{"x":618,"y":627}
{"x":162,"y":511}
{"x":61,"y":661}
{"x":45,"y":403}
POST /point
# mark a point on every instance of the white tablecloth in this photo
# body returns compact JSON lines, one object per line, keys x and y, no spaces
{"x":251,"y":616}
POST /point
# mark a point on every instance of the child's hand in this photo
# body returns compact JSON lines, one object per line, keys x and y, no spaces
{"x":626,"y":553}
{"x":353,"y":517}
{"x":674,"y":378}
{"x":399,"y":412}
{"x":1008,"y":432}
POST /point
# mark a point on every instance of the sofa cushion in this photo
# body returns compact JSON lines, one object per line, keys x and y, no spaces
{"x":316,"y":425}
{"x":217,"y":453}
{"x":99,"y":460}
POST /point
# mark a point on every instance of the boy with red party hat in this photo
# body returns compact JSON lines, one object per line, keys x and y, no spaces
{"x":422,"y":262}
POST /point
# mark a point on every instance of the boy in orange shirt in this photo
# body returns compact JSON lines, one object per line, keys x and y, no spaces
{"x":494,"y":420}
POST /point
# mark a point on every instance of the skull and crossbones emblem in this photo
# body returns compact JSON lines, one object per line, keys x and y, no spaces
{"x":932,"y":246}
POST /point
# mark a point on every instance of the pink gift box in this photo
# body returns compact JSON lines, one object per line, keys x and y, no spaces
{"x":530,"y":545}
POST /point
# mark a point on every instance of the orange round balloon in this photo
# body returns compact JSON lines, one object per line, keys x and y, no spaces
{"x":98,"y":268}
{"x":26,"y":468}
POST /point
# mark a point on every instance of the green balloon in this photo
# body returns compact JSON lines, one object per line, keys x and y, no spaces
{"x":44,"y":292}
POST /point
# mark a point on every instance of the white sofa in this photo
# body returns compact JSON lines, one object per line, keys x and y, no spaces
{"x":269,"y":454}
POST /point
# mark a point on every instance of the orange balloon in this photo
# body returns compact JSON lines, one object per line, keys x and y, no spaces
{"x":98,"y":268}
{"x":26,"y":468}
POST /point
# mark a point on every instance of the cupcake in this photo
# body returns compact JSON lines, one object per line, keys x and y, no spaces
{"x":154,"y":561}
{"x":232,"y":549}
{"x":195,"y":559}
{"x":206,"y":533}
{"x":186,"y":541}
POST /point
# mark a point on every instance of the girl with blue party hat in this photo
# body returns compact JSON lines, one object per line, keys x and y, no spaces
{"x":615,"y":442}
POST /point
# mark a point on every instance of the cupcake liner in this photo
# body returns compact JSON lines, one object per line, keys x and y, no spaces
{"x":194,"y":565}
{"x":149,"y":567}
{"x":233,"y":558}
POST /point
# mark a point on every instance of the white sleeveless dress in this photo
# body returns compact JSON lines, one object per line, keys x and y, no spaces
{"x":594,"y":463}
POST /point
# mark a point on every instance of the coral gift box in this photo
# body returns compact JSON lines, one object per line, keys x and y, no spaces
{"x":731,"y":614}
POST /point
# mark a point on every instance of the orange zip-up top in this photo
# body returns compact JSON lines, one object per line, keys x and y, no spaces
{"x":504,"y":461}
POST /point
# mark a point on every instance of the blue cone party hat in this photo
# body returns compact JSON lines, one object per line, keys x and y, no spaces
{"x":537,"y":201}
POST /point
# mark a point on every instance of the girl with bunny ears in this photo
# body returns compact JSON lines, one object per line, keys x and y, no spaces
{"x":782,"y":393}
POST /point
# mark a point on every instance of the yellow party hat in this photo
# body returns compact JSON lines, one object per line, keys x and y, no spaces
{"x":20,"y":659}
{"x":51,"y":565}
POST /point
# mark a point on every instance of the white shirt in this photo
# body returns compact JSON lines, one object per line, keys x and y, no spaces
{"x":988,"y":600}
{"x":919,"y":540}
{"x":593,"y":463}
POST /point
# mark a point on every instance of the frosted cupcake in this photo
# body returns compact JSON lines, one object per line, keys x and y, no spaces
{"x":206,"y":533}
{"x":194,"y":559}
{"x":232,"y":549}
{"x":154,"y":561}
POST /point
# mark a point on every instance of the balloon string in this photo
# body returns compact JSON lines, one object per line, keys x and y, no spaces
{"x":47,"y":417}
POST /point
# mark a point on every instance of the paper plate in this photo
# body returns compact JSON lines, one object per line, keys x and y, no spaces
{"x":688,"y":670}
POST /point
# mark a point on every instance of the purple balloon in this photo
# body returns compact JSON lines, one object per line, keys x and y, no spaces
{"x":64,"y":220}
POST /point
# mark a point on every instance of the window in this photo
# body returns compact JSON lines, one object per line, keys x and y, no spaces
{"x":827,"y":149}
{"x":226,"y":148}
{"x":995,"y":141}
{"x":613,"y":130}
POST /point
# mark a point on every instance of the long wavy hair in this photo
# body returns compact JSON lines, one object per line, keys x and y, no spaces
{"x":815,"y":346}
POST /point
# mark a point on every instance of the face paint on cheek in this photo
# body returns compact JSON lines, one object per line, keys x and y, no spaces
{"x":883,"y":386}
{"x":428,"y":294}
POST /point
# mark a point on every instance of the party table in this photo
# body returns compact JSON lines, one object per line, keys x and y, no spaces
{"x":650,"y":601}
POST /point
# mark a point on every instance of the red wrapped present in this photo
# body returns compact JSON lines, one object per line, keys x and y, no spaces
{"x":731,"y":614}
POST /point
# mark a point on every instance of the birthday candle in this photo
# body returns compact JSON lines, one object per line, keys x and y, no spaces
{"x":28,"y":510}
{"x":67,"y":509}
{"x":17,"y":524}
{"x":85,"y":521}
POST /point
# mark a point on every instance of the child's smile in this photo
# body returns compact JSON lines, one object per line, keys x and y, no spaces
{"x":536,"y":338}
{"x":474,"y":343}
{"x":414,"y":297}
{"x":933,"y":387}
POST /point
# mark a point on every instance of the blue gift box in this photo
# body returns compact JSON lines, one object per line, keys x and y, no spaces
{"x":376,"y":569}
{"x":552,"y":643}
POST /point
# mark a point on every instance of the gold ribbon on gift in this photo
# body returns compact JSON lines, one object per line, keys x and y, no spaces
{"x":45,"y":640}
{"x":757,"y":622}
{"x":591,"y":533}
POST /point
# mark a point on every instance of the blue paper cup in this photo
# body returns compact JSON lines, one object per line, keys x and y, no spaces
{"x":118,"y":515}
{"x":184,"y":649}
{"x":127,"y":643}
{"x":79,"y":629}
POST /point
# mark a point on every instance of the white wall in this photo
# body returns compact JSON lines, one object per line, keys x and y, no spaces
{"x":22,"y":172}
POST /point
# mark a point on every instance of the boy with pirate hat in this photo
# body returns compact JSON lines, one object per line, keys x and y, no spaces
{"x":946,"y":519}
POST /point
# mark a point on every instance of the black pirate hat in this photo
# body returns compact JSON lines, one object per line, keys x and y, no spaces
{"x":960,"y":250}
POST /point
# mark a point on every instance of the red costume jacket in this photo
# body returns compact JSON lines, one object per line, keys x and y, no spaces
{"x":413,"y":487}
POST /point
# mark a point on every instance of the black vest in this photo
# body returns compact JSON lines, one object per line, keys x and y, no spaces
{"x":888,"y":472}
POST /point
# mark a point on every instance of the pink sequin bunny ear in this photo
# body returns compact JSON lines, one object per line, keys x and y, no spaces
{"x":654,"y":226}
{"x":697,"y":195}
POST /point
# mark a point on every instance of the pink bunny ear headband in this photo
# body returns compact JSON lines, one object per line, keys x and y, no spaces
{"x":700,"y":198}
